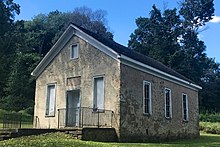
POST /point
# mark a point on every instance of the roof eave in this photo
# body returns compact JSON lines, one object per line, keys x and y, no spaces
{"x":156,"y":72}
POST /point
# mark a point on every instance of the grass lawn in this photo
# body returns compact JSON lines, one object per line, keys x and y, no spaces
{"x":64,"y":140}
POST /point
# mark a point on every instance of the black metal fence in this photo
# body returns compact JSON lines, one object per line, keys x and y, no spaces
{"x":15,"y":120}
{"x":84,"y":117}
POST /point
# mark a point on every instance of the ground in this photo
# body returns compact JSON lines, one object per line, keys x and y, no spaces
{"x":63,"y":140}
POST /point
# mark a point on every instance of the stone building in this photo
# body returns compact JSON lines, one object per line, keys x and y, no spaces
{"x":86,"y":80}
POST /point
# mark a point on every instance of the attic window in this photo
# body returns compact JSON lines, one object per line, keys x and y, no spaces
{"x":74,"y":51}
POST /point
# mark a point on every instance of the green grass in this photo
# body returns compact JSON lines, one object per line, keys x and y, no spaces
{"x":64,"y":140}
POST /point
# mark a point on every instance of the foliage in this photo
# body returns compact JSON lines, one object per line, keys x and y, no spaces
{"x":44,"y":30}
{"x":25,"y":117}
{"x":210,"y":127}
{"x":207,"y":117}
{"x":28,"y":41}
{"x":8,"y":9}
{"x":171,"y":37}
{"x":63,"y":140}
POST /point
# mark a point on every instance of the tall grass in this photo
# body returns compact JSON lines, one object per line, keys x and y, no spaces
{"x":210,"y":127}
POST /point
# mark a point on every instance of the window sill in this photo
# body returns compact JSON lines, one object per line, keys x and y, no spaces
{"x":185,"y":121}
{"x":74,"y":58}
{"x":147,"y":114}
{"x":49,"y":116}
{"x":168,"y":118}
{"x":98,"y":110}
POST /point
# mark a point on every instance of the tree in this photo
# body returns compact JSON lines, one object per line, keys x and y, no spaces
{"x":28,"y":42}
{"x":44,"y":30}
{"x":8,"y":9}
{"x":172,"y":38}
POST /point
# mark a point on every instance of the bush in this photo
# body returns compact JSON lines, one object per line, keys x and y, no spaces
{"x":208,"y":117}
{"x":12,"y":115}
{"x":210,"y":127}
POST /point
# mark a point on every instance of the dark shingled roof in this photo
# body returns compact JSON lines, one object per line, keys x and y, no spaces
{"x":120,"y":49}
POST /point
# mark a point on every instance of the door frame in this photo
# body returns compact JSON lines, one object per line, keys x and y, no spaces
{"x":66,"y":118}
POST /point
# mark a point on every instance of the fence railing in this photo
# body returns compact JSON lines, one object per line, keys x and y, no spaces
{"x":15,"y":120}
{"x":84,"y":117}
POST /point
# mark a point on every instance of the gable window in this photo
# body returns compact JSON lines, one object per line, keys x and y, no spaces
{"x":168,"y":103}
{"x":50,"y":100}
{"x":74,"y":51}
{"x":185,"y":107}
{"x":146,"y":97}
{"x":98,"y":99}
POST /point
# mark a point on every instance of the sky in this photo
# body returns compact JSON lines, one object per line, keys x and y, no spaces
{"x":121,"y":15}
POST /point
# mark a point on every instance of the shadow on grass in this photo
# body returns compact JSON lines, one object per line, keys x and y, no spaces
{"x":205,"y":140}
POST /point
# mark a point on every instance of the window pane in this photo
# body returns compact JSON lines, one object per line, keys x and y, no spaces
{"x":74,"y":52}
{"x":185,"y":107}
{"x":98,"y":93}
{"x":50,"y":102}
{"x":146,"y":97}
{"x":167,"y":103}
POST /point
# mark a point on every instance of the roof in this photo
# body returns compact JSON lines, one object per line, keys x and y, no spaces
{"x":118,"y":52}
{"x":120,"y":49}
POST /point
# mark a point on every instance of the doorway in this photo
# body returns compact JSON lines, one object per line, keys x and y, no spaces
{"x":72,"y":108}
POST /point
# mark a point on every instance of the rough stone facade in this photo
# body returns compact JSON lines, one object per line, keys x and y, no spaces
{"x":123,"y":91}
{"x":63,"y":71}
{"x":135,"y":126}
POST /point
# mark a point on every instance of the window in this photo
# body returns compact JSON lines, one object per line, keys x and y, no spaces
{"x":185,"y":107}
{"x":98,"y":101}
{"x":168,"y":104}
{"x":74,"y":51}
{"x":50,"y":100}
{"x":146,"y":97}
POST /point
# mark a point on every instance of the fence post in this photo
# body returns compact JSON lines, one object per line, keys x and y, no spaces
{"x":81,"y":108}
{"x":20,"y":120}
{"x":98,"y":118}
{"x":58,"y":118}
{"x":112,"y":117}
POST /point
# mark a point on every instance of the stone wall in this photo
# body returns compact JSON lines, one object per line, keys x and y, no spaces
{"x":99,"y":134}
{"x":70,"y":74}
{"x":135,"y":126}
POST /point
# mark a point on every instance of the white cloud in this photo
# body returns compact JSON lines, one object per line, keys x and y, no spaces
{"x":215,"y":19}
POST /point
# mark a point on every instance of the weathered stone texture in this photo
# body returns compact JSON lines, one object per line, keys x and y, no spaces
{"x":135,"y":126}
{"x":66,"y":73}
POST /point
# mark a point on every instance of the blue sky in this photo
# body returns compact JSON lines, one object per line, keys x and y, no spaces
{"x":121,"y":16}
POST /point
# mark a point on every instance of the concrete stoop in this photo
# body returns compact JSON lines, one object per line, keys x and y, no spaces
{"x":76,"y":133}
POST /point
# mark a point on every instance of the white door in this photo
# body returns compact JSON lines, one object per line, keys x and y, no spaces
{"x":72,"y":110}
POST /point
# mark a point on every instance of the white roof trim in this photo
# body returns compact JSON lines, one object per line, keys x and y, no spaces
{"x":96,"y":43}
{"x":151,"y":70}
{"x":65,"y":37}
{"x":73,"y":30}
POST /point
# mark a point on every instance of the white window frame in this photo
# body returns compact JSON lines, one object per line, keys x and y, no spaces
{"x":77,"y":50}
{"x":49,"y":113}
{"x":145,"y":99}
{"x":187,"y":107}
{"x":170,"y":104}
{"x":95,"y":108}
